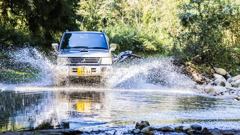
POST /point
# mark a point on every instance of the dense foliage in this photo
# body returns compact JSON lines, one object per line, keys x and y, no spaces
{"x":203,"y":32}
{"x":35,"y":22}
{"x":210,"y":33}
{"x":130,"y":38}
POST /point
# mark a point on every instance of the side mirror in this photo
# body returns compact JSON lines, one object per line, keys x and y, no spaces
{"x":113,"y":46}
{"x":55,"y":46}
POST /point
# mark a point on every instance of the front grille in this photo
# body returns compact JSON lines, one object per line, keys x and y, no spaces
{"x":84,"y":59}
{"x":74,"y":69}
{"x":93,"y":69}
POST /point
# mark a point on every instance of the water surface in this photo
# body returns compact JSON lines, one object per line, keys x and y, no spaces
{"x":77,"y":108}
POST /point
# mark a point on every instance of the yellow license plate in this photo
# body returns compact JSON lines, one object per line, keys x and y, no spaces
{"x":84,"y":71}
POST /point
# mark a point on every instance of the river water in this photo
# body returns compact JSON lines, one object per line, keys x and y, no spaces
{"x":26,"y":108}
{"x":152,"y":90}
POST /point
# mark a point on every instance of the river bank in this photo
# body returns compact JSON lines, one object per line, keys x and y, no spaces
{"x":212,"y":81}
{"x":179,"y":130}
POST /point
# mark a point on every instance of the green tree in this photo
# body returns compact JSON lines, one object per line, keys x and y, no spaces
{"x":44,"y":18}
{"x":203,"y":39}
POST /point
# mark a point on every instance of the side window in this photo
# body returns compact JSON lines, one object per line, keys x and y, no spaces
{"x":65,"y":42}
{"x":107,"y":39}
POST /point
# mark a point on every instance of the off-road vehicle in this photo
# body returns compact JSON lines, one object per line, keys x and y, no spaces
{"x":83,"y":54}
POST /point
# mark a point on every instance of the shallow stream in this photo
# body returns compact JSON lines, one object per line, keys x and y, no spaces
{"x":151,"y":89}
{"x":26,"y":108}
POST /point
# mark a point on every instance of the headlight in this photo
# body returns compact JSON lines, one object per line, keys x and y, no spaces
{"x":62,"y":60}
{"x":106,"y":61}
{"x":62,"y":70}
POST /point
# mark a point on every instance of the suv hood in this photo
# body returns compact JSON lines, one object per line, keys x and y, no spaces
{"x":90,"y":53}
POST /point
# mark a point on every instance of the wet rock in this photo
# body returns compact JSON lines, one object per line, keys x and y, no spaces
{"x":151,"y":133}
{"x":204,"y":131}
{"x":179,"y":129}
{"x":229,"y":80}
{"x":142,"y":125}
{"x":222,"y":132}
{"x":237,"y":98}
{"x":220,"y":82}
{"x":196,"y":127}
{"x":227,"y":84}
{"x":129,"y":131}
{"x":220,"y":71}
{"x":186,"y":128}
{"x":218,"y":76}
{"x":236,"y":83}
{"x":235,"y":78}
{"x":166,"y":129}
{"x":190,"y":132}
{"x":136,"y":131}
{"x":209,"y":90}
{"x":112,"y":132}
{"x":197,"y":132}
{"x":147,"y":130}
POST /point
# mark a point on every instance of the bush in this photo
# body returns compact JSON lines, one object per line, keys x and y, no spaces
{"x":130,"y":38}
{"x":205,"y":40}
{"x":13,"y":39}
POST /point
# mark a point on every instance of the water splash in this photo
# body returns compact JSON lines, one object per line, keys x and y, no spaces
{"x":150,"y":73}
{"x":35,"y":62}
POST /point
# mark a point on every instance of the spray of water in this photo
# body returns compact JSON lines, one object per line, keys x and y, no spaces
{"x":35,"y":62}
{"x":150,"y":73}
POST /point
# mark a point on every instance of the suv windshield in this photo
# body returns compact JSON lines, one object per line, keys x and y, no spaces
{"x":84,"y":40}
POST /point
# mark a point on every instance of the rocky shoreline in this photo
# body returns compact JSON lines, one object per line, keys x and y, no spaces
{"x":223,"y":85}
{"x":218,"y":83}
{"x":142,"y":128}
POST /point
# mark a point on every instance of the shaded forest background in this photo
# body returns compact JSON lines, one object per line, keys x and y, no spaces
{"x":202,"y":32}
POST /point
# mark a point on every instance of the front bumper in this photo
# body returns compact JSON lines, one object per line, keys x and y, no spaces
{"x":71,"y":70}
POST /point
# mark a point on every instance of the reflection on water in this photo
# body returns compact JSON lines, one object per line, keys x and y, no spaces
{"x":81,"y":108}
{"x":15,"y":108}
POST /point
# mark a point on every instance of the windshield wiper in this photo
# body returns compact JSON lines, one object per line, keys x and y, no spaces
{"x":79,"y":47}
{"x":97,"y":48}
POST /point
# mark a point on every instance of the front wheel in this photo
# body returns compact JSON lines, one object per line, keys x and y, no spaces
{"x":57,"y":81}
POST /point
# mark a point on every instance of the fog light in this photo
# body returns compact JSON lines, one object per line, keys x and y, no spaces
{"x":62,"y":70}
{"x":104,"y":69}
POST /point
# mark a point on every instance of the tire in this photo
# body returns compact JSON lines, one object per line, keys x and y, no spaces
{"x":58,"y":81}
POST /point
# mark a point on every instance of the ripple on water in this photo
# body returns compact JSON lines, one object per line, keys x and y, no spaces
{"x":82,"y":108}
{"x":151,"y":89}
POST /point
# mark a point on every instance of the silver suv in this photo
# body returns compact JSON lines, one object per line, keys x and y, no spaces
{"x":83,"y":54}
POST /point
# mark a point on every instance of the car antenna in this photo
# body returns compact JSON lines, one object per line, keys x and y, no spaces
{"x":101,"y":31}
{"x":66,"y":31}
